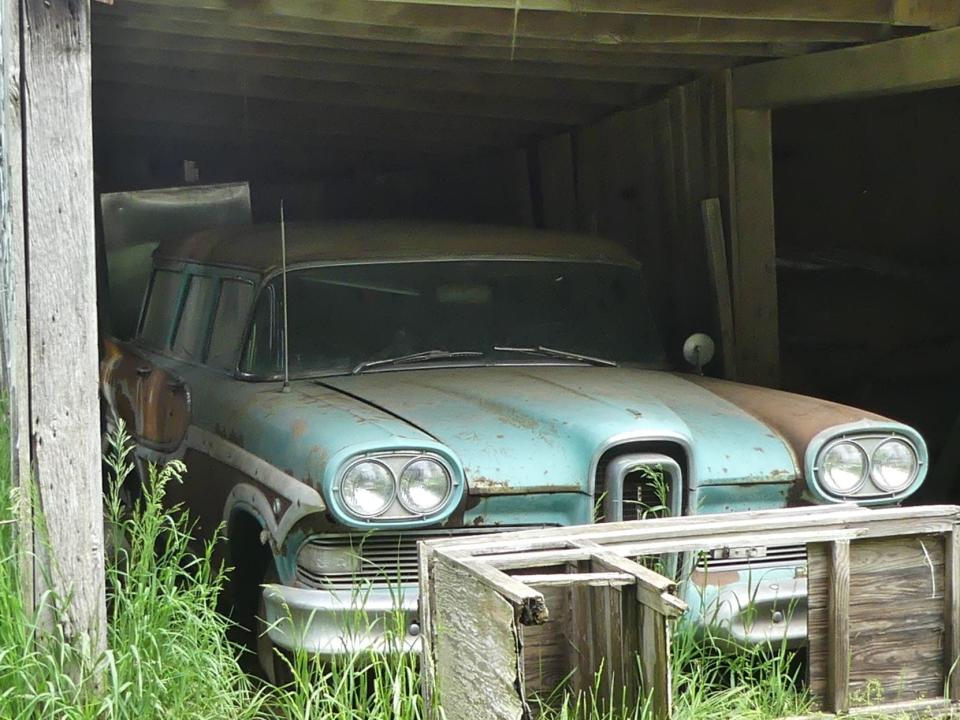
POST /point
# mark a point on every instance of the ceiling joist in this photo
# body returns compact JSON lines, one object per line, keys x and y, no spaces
{"x":396,"y":79}
{"x":130,"y":39}
{"x":892,"y":12}
{"x":364,"y":18}
{"x":264,"y":85}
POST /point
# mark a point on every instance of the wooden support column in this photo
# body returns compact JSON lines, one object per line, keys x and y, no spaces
{"x":13,"y":289}
{"x":838,"y":628}
{"x":753,"y":249}
{"x":50,"y":328}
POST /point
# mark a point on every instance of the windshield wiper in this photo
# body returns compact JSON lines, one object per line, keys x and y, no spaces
{"x":553,"y":352}
{"x":424,"y":356}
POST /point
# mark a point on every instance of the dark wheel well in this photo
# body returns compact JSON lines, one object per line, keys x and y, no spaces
{"x":248,"y":560}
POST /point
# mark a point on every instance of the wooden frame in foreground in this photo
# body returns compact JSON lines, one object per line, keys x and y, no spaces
{"x":508,"y":615}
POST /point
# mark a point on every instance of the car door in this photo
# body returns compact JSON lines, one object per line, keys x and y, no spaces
{"x":140,"y":381}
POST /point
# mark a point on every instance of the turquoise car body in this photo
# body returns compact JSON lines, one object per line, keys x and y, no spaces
{"x":524,"y":441}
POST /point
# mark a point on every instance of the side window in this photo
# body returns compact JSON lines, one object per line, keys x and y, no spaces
{"x":195,"y":318}
{"x":228,"y":323}
{"x":261,"y":356}
{"x":161,"y":308}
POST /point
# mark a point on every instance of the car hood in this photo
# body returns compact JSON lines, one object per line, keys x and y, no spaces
{"x":540,"y":428}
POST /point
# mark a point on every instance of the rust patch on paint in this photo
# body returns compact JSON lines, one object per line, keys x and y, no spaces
{"x":299,"y":428}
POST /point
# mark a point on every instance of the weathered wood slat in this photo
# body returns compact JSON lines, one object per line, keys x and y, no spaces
{"x":415,"y":21}
{"x":951,"y":583}
{"x":13,"y":263}
{"x":720,"y":276}
{"x":150,"y":29}
{"x":476,"y":653}
{"x":838,"y":629}
{"x":881,"y":521}
{"x":59,"y":230}
{"x":878,"y":11}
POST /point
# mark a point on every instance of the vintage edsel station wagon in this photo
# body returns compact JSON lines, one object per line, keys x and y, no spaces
{"x":448,"y":379}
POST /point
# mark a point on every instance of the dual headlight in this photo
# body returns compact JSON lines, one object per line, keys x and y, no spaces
{"x":396,"y":486}
{"x":868,"y":466}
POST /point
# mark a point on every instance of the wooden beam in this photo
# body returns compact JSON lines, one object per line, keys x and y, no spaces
{"x":394,"y":79}
{"x":364,"y":18}
{"x":910,"y":64}
{"x":146,"y":28}
{"x":58,"y":223}
{"x":936,"y":13}
{"x":344,"y":95}
{"x":656,"y":69}
{"x":137,"y":15}
{"x":13,"y":286}
{"x":753,"y":248}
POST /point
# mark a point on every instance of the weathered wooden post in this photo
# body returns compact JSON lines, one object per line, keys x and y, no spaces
{"x":49,"y":298}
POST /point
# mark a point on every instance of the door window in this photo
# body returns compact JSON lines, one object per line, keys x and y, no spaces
{"x":228,"y":323}
{"x":161,"y":308}
{"x":195,"y":318}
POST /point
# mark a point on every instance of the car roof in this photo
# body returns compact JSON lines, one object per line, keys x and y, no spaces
{"x":257,"y":247}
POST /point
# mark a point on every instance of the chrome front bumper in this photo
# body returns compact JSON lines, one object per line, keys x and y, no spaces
{"x":342,"y":622}
{"x":745,"y":608}
{"x":750,"y":607}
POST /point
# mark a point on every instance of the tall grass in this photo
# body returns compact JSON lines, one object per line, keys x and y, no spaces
{"x":169,"y":656}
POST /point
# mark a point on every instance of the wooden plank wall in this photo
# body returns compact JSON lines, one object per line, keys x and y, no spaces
{"x":896,"y":619}
{"x":640,"y":177}
{"x":55,"y":343}
{"x":491,"y":189}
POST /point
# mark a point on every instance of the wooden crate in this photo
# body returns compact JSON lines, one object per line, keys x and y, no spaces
{"x":510,"y":616}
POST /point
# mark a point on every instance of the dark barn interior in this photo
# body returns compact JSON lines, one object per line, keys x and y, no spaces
{"x":609,"y":120}
{"x":867,"y":259}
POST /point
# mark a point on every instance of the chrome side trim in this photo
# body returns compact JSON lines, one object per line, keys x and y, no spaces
{"x":296,"y":491}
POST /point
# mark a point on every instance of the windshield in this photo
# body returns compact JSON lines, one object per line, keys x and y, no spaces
{"x":342,"y":317}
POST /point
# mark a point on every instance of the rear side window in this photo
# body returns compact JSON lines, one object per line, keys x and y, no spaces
{"x":161,"y":308}
{"x":228,"y":323}
{"x":195,"y":319}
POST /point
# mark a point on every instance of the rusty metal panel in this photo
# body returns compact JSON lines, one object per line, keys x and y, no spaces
{"x":135,"y":222}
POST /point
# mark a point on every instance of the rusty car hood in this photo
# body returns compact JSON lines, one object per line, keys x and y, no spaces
{"x":534,"y":428}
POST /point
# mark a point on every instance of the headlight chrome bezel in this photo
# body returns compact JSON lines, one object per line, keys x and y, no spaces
{"x":869,"y":442}
{"x":396,"y":512}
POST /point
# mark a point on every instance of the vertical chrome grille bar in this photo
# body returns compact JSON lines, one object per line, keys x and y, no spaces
{"x":618,"y":469}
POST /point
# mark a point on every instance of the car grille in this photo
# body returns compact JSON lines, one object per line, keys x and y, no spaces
{"x":385,"y":559}
{"x":783,"y":556}
{"x":645,"y":494}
